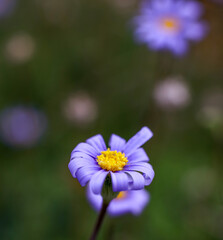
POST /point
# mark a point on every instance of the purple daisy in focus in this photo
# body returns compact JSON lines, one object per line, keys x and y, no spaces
{"x":126,"y":202}
{"x":125,"y":162}
{"x":169,"y":24}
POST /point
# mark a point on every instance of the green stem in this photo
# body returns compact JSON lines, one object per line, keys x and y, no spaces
{"x":99,"y":221}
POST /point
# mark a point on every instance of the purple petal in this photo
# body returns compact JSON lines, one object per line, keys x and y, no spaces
{"x":138,"y":140}
{"x":195,"y":31}
{"x":81,"y":155}
{"x":85,"y":148}
{"x":158,"y":5}
{"x":137,"y":181}
{"x":119,"y":181}
{"x":158,"y":39}
{"x":134,"y":202}
{"x":84,"y":174}
{"x":143,"y":167}
{"x":178,"y":45}
{"x":77,"y":163}
{"x":190,"y":10}
{"x":116,"y":143}
{"x":97,"y":181}
{"x":97,"y":142}
{"x":148,"y":180}
{"x":142,"y":198}
{"x":95,"y":200}
{"x":138,"y":156}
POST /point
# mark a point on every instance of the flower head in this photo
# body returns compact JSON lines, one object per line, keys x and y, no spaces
{"x":6,"y":6}
{"x":125,"y":162}
{"x":172,"y":93}
{"x":80,"y":109}
{"x":126,"y":202}
{"x":20,"y":48}
{"x":22,"y":126}
{"x":168,"y":24}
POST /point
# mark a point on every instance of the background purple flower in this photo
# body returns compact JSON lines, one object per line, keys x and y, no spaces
{"x":21,"y":126}
{"x":6,"y":7}
{"x":169,"y":24}
{"x":129,"y":202}
{"x":133,"y":175}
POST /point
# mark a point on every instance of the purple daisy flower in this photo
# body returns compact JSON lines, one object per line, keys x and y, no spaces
{"x":126,"y":202}
{"x":125,"y":162}
{"x":169,"y":24}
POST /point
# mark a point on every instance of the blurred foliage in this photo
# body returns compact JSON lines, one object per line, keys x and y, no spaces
{"x":85,"y":45}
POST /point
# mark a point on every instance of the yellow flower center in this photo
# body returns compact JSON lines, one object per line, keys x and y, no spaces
{"x":170,"y":24}
{"x":121,"y":195}
{"x":112,"y":160}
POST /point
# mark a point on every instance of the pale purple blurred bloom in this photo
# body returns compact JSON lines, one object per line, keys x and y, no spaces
{"x":134,"y":175}
{"x":172,"y":93}
{"x":130,"y":202}
{"x":21,"y":126}
{"x":169,"y":24}
{"x":80,"y":108}
{"x":6,"y":7}
{"x":20,"y":48}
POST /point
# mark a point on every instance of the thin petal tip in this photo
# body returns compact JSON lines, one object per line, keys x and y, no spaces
{"x":147,"y":131}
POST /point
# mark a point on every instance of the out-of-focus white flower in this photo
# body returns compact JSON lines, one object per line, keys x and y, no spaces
{"x":21,"y":126}
{"x":172,"y":93}
{"x":20,"y":48}
{"x":80,"y":108}
{"x":210,"y":114}
{"x":199,"y":183}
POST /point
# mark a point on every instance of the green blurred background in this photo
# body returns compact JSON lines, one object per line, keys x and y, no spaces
{"x":85,"y":49}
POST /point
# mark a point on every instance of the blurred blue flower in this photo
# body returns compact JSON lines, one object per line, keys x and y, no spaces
{"x":125,"y":162}
{"x":6,"y":7}
{"x":126,"y":202}
{"x":169,"y":24}
{"x":21,"y":126}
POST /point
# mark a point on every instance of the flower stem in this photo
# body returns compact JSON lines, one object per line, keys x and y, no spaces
{"x":99,"y":221}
